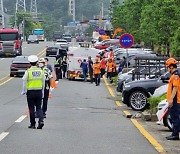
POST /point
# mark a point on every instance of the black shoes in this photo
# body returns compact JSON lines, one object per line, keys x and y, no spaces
{"x":32,"y":127}
{"x":40,"y":126}
{"x":172,"y":137}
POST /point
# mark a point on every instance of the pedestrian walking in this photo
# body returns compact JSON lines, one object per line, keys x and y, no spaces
{"x":173,"y":98}
{"x":103,"y":66}
{"x":90,"y":68}
{"x":84,"y":66}
{"x":48,"y":77}
{"x":97,"y":71}
{"x":33,"y":87}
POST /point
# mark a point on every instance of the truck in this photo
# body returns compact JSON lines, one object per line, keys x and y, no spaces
{"x":39,"y":33}
{"x":57,"y":35}
{"x":75,"y":56}
{"x":10,"y":42}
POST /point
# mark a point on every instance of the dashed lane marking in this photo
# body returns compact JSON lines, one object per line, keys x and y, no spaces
{"x":3,"y":135}
{"x":152,"y":140}
{"x":21,"y":119}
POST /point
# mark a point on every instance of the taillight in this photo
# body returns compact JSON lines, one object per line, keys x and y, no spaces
{"x":0,"y":46}
{"x":14,"y":65}
{"x":71,"y":54}
{"x":17,"y":44}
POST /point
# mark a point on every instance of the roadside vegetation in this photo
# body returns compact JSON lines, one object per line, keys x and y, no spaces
{"x":153,"y":23}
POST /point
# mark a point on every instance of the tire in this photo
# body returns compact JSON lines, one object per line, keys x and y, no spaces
{"x":11,"y":75}
{"x":167,"y":121}
{"x":138,"y":100}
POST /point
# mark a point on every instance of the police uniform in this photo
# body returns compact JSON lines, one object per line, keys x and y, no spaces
{"x":175,"y":109}
{"x":48,"y":76}
{"x":57,"y":67}
{"x":33,"y":86}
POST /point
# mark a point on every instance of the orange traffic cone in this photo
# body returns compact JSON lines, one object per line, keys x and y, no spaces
{"x":27,"y":112}
{"x":53,"y":83}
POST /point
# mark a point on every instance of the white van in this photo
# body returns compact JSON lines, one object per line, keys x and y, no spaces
{"x":75,"y":57}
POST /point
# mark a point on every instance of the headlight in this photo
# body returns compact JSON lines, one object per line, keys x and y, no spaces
{"x":127,"y":85}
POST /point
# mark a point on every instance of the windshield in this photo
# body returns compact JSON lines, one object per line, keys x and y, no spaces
{"x":8,"y":36}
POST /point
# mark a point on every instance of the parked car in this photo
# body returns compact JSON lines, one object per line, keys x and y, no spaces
{"x":52,"y":50}
{"x":32,"y":39}
{"x":19,"y":65}
{"x":135,"y":93}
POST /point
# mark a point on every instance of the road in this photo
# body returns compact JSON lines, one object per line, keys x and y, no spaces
{"x":81,"y":119}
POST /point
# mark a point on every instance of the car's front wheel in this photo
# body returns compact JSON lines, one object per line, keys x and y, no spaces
{"x":167,"y":121}
{"x":138,"y":100}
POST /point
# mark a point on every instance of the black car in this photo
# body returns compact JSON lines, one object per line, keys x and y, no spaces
{"x":19,"y":65}
{"x":135,"y":93}
{"x":32,"y":39}
{"x":51,"y":51}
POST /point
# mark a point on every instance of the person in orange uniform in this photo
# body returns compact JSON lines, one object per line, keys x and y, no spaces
{"x":114,"y":71}
{"x":97,"y":71}
{"x":103,"y":66}
{"x":110,"y":67}
{"x":173,"y":98}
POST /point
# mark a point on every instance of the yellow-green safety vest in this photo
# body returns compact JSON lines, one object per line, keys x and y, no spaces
{"x":35,"y":79}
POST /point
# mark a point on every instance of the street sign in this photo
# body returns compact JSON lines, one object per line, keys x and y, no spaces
{"x":126,"y":40}
{"x":101,"y":32}
{"x":97,"y":29}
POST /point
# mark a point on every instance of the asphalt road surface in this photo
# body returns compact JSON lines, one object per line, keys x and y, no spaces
{"x":81,"y":119}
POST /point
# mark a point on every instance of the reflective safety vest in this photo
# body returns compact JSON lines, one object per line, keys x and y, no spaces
{"x":97,"y":67}
{"x":35,"y":78}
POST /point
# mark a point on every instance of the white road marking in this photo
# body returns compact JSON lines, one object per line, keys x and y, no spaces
{"x":3,"y":135}
{"x":2,"y":58}
{"x":21,"y":118}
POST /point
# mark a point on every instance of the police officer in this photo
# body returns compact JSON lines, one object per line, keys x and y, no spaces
{"x":48,"y":77}
{"x":33,"y":86}
{"x":173,"y":98}
{"x":57,"y":68}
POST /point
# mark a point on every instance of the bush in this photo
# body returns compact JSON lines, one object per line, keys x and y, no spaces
{"x":154,"y":101}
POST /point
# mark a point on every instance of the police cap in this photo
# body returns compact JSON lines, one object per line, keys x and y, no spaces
{"x":32,"y":58}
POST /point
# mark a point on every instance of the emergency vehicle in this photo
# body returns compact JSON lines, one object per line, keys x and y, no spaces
{"x":76,"y":55}
{"x":10,"y":42}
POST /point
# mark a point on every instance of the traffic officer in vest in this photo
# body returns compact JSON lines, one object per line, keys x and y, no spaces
{"x":173,"y":98}
{"x":48,"y":77}
{"x":33,"y":87}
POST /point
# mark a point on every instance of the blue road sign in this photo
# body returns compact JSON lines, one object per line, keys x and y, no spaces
{"x":126,"y":40}
{"x":97,"y":29}
{"x":101,"y":32}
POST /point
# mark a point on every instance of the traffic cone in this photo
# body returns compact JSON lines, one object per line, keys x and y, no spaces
{"x":27,"y":112}
{"x":53,"y":83}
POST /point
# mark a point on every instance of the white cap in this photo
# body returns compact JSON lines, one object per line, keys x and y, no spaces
{"x":41,"y":60}
{"x":32,"y":58}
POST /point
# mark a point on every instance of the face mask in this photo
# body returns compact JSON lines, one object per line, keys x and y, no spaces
{"x":41,"y":64}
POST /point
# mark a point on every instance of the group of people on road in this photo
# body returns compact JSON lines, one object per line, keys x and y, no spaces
{"x":36,"y":85}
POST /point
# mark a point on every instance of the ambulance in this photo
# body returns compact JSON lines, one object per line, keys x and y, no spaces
{"x":75,"y":57}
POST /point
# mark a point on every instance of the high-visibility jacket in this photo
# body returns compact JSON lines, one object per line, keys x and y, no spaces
{"x":35,"y":78}
{"x":103,"y":64}
{"x":97,"y":68}
{"x":114,"y":67}
{"x":174,"y":81}
{"x":110,"y":67}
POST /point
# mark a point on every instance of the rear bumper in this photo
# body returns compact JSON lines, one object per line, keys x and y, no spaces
{"x":10,"y":53}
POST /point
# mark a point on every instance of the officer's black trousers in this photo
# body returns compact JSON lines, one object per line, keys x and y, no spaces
{"x":45,"y":100}
{"x":175,"y":117}
{"x":34,"y":99}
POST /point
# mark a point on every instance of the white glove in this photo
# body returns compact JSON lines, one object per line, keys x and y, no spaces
{"x":23,"y":92}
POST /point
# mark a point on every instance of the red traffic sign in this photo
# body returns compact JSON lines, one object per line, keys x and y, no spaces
{"x":126,"y":40}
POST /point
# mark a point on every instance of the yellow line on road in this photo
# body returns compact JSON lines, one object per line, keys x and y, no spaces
{"x":6,"y":81}
{"x":4,"y":77}
{"x":41,"y":53}
{"x":109,"y":89}
{"x":152,"y":140}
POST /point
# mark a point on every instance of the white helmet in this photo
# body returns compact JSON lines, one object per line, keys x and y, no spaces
{"x":41,"y":60}
{"x":32,"y":58}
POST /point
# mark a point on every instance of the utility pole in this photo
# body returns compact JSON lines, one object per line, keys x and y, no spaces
{"x":2,"y":14}
{"x":20,"y":8}
{"x":33,"y":9}
{"x":72,"y":9}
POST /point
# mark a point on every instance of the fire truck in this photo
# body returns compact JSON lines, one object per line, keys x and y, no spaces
{"x":10,"y":42}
